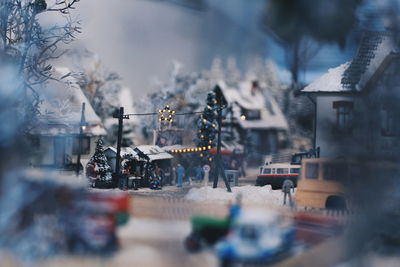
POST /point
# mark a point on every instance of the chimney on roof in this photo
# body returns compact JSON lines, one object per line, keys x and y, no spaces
{"x":254,"y":87}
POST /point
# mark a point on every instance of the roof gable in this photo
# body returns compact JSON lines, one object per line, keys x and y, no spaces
{"x":271,"y":117}
{"x":353,"y":76}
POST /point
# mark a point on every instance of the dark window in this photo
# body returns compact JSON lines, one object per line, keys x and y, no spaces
{"x":344,"y":115}
{"x":59,"y":151}
{"x":295,"y":170}
{"x":85,"y":150}
{"x":267,"y":171}
{"x":335,"y":172}
{"x":282,"y":171}
{"x":248,"y":232}
{"x":389,"y":126}
{"x":312,"y":170}
{"x":251,"y":114}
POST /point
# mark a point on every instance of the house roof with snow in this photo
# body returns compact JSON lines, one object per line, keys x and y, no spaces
{"x":353,"y":76}
{"x":153,"y":152}
{"x":246,"y":98}
{"x":60,"y":107}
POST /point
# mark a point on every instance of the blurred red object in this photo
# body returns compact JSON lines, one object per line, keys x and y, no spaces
{"x":314,"y":228}
{"x":113,"y":201}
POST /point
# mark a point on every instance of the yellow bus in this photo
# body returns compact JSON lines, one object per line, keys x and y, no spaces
{"x":323,"y":182}
{"x":320,"y":184}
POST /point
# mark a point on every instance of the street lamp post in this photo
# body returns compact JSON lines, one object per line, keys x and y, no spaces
{"x":82,"y":128}
{"x":219,"y":163}
{"x":120,"y":116}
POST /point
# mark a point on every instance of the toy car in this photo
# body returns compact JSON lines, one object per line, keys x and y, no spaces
{"x":256,"y":236}
{"x":206,"y":231}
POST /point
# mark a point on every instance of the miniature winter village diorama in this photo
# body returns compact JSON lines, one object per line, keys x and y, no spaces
{"x":274,"y":138}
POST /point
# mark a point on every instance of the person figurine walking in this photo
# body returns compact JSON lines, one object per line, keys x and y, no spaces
{"x":286,"y":187}
{"x":180,"y":172}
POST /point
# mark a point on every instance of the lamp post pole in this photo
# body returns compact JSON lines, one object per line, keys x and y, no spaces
{"x":82,"y":126}
{"x":120,"y":116}
{"x":219,"y":163}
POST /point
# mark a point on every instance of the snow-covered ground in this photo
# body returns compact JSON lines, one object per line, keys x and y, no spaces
{"x":150,"y":229}
{"x":250,"y":195}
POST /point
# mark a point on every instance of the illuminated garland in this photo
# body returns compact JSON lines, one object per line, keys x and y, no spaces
{"x":193,"y":149}
{"x":166,"y":114}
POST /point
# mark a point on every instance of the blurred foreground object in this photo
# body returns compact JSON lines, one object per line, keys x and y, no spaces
{"x":43,"y":215}
{"x":257,"y":236}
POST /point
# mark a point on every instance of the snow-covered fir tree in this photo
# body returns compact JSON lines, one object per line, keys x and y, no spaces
{"x":98,"y":166}
{"x":207,"y":125}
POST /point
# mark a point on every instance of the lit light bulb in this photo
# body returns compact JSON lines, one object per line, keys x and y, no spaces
{"x":243,"y":117}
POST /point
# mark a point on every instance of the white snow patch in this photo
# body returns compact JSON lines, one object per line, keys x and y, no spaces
{"x":330,"y":81}
{"x":250,"y":195}
{"x":147,"y":229}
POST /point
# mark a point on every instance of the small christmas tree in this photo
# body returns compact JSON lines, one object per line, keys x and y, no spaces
{"x":207,"y":126}
{"x":98,"y":166}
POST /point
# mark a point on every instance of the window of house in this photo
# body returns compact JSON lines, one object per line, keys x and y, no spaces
{"x":388,"y":123}
{"x":85,"y":149}
{"x":344,"y":115}
{"x":251,"y":114}
{"x":312,"y":170}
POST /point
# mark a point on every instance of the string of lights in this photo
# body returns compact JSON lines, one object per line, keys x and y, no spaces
{"x":175,"y":114}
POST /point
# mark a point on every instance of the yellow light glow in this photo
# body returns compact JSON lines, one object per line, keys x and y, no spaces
{"x":209,"y":159}
{"x":184,"y":150}
{"x":204,"y":148}
{"x":209,"y":147}
{"x":243,"y":117}
{"x":180,"y":150}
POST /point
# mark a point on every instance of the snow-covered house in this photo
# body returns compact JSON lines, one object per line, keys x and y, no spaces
{"x":55,"y":137}
{"x":356,"y":102}
{"x":156,"y":154}
{"x":254,"y":118}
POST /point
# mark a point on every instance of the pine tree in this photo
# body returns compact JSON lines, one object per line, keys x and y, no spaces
{"x":98,"y":166}
{"x":207,"y":125}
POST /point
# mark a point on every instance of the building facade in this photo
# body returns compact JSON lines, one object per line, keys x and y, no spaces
{"x":357,"y":112}
{"x":56,"y":136}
